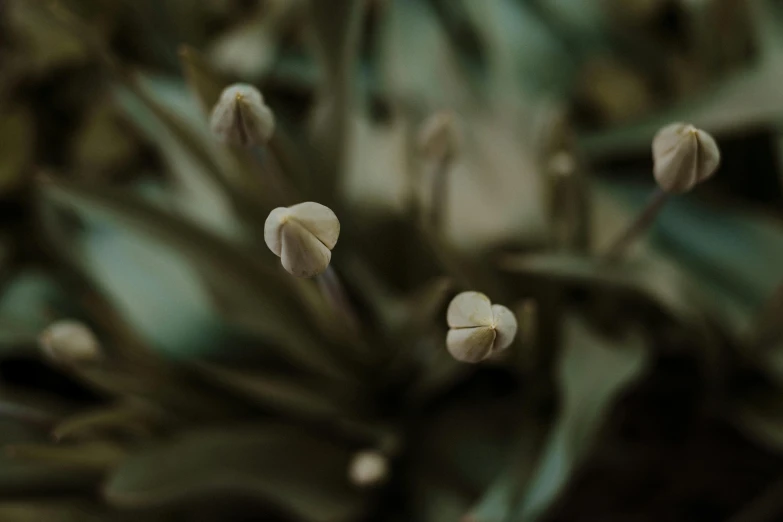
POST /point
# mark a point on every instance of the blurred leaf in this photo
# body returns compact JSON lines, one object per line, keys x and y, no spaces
{"x":337,"y":30}
{"x":125,"y":419}
{"x":17,"y":142}
{"x":297,"y":472}
{"x":654,"y":280}
{"x":497,"y":187}
{"x":462,"y":448}
{"x":204,"y":83}
{"x":50,"y":511}
{"x":432,"y":78}
{"x":521,"y":47}
{"x":241,"y":271}
{"x":378,"y":177}
{"x":337,"y":27}
{"x":508,"y":489}
{"x":759,"y":415}
{"x":284,"y":393}
{"x":156,"y":108}
{"x":26,"y":480}
{"x":102,"y":145}
{"x":47,"y":44}
{"x":734,"y":257}
{"x":249,"y":49}
{"x":31,"y":301}
{"x":593,"y":371}
{"x":88,"y":456}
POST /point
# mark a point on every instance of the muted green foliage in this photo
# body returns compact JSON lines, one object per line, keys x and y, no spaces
{"x":230,"y":390}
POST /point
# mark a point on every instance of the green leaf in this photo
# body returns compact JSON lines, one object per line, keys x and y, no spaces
{"x":124,"y":419}
{"x":508,"y":489}
{"x":205,"y":84}
{"x":759,"y":415}
{"x":293,"y":470}
{"x":653,"y":280}
{"x":19,"y":480}
{"x":17,"y":139}
{"x":283,"y":393}
{"x":268,"y":290}
{"x":733,"y":257}
{"x":593,"y":371}
{"x":93,"y":455}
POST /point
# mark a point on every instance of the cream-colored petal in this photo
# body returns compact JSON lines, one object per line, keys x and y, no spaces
{"x":303,"y":255}
{"x":469,"y":309}
{"x":258,"y":122}
{"x":675,"y":170}
{"x":668,"y":137}
{"x":272,"y":229}
{"x":470,"y":345}
{"x":319,"y":220}
{"x":684,"y":156}
{"x":709,"y":155}
{"x":222,"y":121}
{"x":241,"y":117}
{"x":505,"y":327}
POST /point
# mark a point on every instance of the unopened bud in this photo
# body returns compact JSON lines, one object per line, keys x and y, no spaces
{"x":69,"y":342}
{"x":684,"y":156}
{"x":368,"y":468}
{"x":241,"y":117}
{"x":439,"y":138}
{"x":303,"y":237}
{"x":478,"y":329}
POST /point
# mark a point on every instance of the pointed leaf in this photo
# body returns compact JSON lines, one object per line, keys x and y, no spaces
{"x":237,"y":269}
{"x":291,"y":469}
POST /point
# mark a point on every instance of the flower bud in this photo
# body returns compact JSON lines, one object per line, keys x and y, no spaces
{"x":684,"y":156}
{"x":69,"y":342}
{"x":368,"y":468}
{"x":439,"y":137}
{"x":478,"y":328}
{"x":303,"y":236}
{"x":241,"y":117}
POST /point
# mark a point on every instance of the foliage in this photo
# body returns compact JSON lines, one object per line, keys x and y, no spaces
{"x":229,"y":390}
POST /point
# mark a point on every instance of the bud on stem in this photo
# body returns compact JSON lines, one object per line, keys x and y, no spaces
{"x":683,"y":157}
{"x":439,"y":143}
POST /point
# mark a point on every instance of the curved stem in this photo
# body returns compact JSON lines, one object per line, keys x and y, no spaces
{"x":642,"y":222}
{"x":439,"y":195}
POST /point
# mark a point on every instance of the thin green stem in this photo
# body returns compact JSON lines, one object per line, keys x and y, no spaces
{"x":642,"y":222}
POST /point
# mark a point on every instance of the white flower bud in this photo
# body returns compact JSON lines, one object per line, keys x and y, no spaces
{"x":368,"y":468}
{"x":478,"y":328}
{"x":69,"y":342}
{"x":303,"y":237}
{"x":439,"y":138}
{"x":684,"y":156}
{"x":241,"y":117}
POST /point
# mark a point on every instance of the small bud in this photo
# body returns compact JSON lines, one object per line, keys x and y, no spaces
{"x":241,"y":117}
{"x":368,"y":468}
{"x":69,"y":342}
{"x":439,"y":137}
{"x":478,"y":328}
{"x":303,"y":236}
{"x":684,"y":156}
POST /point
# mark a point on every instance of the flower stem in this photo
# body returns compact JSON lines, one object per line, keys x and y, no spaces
{"x":334,"y":292}
{"x":439,"y":194}
{"x":642,"y":222}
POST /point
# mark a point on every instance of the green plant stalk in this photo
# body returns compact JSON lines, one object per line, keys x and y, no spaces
{"x":642,"y":222}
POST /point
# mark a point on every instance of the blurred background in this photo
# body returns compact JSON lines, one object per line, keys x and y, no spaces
{"x":226,"y":389}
